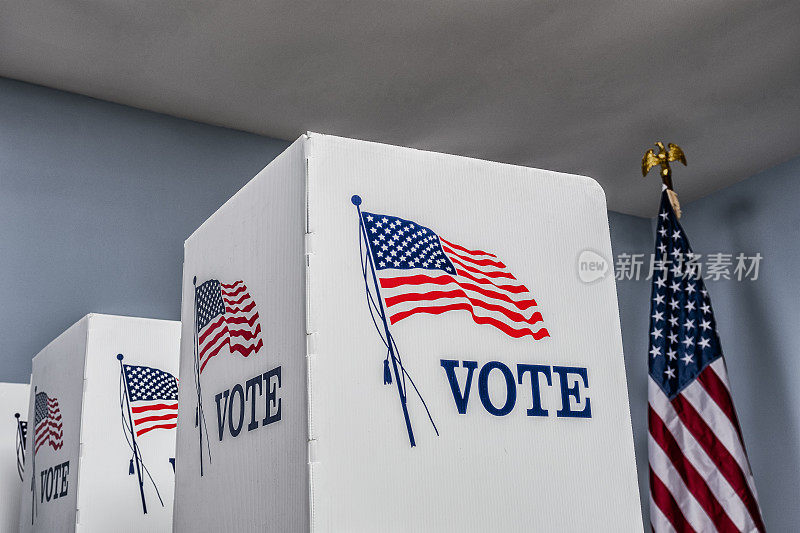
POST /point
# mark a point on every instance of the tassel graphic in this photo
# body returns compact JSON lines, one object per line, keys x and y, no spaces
{"x":130,"y":468}
{"x":387,"y":374}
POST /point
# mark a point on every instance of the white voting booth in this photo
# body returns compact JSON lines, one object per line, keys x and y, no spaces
{"x":384,"y":339}
{"x":13,"y":428}
{"x":101,"y":438}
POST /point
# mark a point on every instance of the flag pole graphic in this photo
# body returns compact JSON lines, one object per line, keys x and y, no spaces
{"x":136,"y":457}
{"x":199,"y":416}
{"x":20,"y":448}
{"x":389,"y":340}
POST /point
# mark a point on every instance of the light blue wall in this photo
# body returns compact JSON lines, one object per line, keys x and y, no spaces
{"x":758,"y":321}
{"x":95,"y":202}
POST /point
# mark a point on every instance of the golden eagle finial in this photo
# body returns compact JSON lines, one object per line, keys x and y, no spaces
{"x":663,"y":158}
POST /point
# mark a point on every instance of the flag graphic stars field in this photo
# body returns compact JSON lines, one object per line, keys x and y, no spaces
{"x":226,"y":317}
{"x":153,"y":396}
{"x":700,"y":477}
{"x":47,"y":427}
{"x":421,"y":272}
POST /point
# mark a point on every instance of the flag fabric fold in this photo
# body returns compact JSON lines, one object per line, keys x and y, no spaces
{"x":700,"y":477}
{"x":226,"y":317}
{"x":420,"y":272}
{"x":153,"y":398}
{"x":47,"y":426}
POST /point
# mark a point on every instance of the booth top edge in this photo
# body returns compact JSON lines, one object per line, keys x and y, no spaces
{"x":310,"y":139}
{"x":89,"y":317}
{"x":311,"y":136}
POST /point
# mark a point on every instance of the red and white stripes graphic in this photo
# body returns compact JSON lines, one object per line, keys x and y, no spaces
{"x":237,"y":328}
{"x":50,"y":430}
{"x":700,"y":478}
{"x":482,"y":285}
{"x":154,"y":414}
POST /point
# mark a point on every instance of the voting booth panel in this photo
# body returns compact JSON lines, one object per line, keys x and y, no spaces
{"x":13,"y":427}
{"x":49,"y":495}
{"x":103,"y":412}
{"x":453,"y":371}
{"x":243,"y":340}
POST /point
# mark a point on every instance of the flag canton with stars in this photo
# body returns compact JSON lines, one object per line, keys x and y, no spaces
{"x":399,"y":243}
{"x":209,"y":303}
{"x":145,"y":383}
{"x":683,"y":335}
{"x":42,"y":409}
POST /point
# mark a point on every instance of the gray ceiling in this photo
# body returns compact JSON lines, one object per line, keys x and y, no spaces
{"x":580,"y":87}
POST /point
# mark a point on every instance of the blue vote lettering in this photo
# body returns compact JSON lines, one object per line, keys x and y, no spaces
{"x":573,"y":383}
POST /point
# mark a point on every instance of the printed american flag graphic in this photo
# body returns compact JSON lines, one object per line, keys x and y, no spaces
{"x":700,"y":477}
{"x":421,"y":272}
{"x":22,"y":437}
{"x":47,"y":427}
{"x":226,"y":317}
{"x":153,"y":398}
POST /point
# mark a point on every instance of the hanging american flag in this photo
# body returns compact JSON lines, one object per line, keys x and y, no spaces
{"x":153,"y":397}
{"x":700,"y":477}
{"x":226,"y":317}
{"x":47,"y":428}
{"x":421,"y":272}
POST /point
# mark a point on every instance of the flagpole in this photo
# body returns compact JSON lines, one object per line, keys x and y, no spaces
{"x":199,"y":416}
{"x":21,"y":438}
{"x":357,"y":202}
{"x":663,"y":159}
{"x":133,"y":434}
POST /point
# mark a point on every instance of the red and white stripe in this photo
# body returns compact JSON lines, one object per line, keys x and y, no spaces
{"x":700,"y":477}
{"x":50,"y":430}
{"x":153,"y":414}
{"x":482,"y":286}
{"x":238,"y":328}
